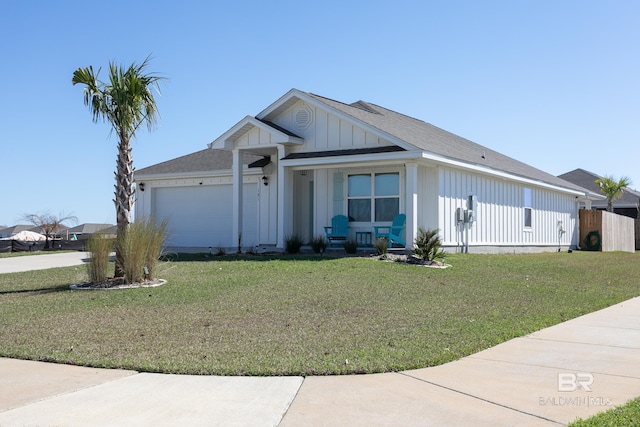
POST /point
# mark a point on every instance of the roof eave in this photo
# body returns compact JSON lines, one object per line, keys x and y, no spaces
{"x":196,"y":174}
{"x":501,"y":174}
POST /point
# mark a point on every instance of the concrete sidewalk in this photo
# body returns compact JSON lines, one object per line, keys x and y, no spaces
{"x":548,"y":378}
{"x":42,"y":261}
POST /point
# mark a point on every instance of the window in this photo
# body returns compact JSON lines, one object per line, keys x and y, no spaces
{"x":374,"y":196}
{"x":528,"y":203}
{"x":359,"y":196}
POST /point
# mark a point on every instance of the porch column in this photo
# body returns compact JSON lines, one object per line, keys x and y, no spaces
{"x":411,"y":202}
{"x":285,"y":197}
{"x":237,"y":199}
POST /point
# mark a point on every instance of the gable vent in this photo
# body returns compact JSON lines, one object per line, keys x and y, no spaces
{"x":303,"y":117}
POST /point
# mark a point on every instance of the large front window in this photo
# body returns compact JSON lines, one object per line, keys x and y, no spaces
{"x":374,"y":196}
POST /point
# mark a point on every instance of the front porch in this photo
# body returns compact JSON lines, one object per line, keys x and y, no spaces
{"x":301,"y":200}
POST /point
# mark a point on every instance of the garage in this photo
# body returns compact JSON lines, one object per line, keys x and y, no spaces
{"x":201,"y":216}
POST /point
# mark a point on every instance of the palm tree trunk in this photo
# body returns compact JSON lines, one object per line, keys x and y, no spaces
{"x":123,"y":199}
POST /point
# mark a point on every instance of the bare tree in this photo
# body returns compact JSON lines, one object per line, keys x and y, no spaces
{"x":48,"y":223}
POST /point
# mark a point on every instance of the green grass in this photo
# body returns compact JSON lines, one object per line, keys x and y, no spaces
{"x":305,"y":315}
{"x":622,"y":416}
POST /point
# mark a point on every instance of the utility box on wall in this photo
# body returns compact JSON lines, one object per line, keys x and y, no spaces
{"x":472,"y":206}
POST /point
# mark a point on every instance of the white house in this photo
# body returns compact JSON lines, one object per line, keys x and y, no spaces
{"x":306,"y":158}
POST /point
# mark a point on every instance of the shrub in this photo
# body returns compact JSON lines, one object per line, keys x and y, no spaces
{"x":99,"y":247}
{"x":293,"y":243}
{"x":319,"y":244}
{"x":427,"y":245}
{"x":350,"y":246}
{"x":381,"y":245}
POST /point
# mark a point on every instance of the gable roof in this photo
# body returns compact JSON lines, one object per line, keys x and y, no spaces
{"x":587,"y":180}
{"x":206,"y":160}
{"x":15,"y":229}
{"x":278,"y":134}
{"x":431,"y":139}
{"x":405,"y":132}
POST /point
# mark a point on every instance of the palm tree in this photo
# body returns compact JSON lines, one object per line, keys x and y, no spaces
{"x":126,"y":101}
{"x":612,"y":189}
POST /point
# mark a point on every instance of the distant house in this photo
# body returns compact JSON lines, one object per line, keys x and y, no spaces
{"x":626,"y":205}
{"x":306,"y":158}
{"x":85,"y":231}
{"x":10,"y":231}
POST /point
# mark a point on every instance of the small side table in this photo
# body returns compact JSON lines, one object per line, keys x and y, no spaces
{"x":364,"y":238}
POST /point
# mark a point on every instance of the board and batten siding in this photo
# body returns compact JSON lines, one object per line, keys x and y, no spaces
{"x":326,"y":131}
{"x":499,"y":216}
{"x":255,"y":138}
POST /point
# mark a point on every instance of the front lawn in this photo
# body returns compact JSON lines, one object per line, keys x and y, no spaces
{"x":305,"y":315}
{"x":626,"y":415}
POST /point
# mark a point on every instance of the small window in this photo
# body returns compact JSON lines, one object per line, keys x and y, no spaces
{"x":528,"y":205}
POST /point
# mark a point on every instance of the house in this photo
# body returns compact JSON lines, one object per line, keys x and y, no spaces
{"x":7,"y":232}
{"x":626,"y":205}
{"x":85,"y":231}
{"x":306,"y":158}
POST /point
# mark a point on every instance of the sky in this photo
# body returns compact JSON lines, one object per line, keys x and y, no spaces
{"x":555,"y":84}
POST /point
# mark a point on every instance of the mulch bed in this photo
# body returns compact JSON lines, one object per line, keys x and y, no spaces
{"x":118,"y":283}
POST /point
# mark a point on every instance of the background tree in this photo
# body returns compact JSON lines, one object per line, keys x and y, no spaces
{"x":48,"y":223}
{"x":612,"y":189}
{"x":126,"y":101}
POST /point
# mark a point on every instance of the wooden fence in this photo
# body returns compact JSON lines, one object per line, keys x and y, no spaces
{"x":606,"y":231}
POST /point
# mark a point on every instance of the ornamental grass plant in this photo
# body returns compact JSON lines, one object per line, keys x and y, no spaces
{"x":99,"y":247}
{"x":141,"y":249}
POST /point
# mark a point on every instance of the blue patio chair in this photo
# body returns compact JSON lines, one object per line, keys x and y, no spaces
{"x":393,"y":233}
{"x":339,"y":230}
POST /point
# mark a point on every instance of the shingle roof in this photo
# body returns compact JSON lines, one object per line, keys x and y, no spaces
{"x":90,"y":228}
{"x":16,"y":229}
{"x":434,"y":140}
{"x":201,"y":161}
{"x":409,"y":131}
{"x":587,"y":180}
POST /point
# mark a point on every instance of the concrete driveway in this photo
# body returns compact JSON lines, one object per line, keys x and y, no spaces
{"x":42,"y":261}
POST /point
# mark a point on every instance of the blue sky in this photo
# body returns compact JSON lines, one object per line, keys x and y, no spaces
{"x":555,"y":84}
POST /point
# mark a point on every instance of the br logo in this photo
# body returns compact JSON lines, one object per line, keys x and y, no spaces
{"x":571,"y":382}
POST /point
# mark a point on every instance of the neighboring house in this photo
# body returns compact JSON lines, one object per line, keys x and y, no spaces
{"x":10,"y":231}
{"x":85,"y":231}
{"x":626,"y":205}
{"x":306,"y":158}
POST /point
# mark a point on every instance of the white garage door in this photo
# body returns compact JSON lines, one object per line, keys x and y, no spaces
{"x":201,"y":216}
